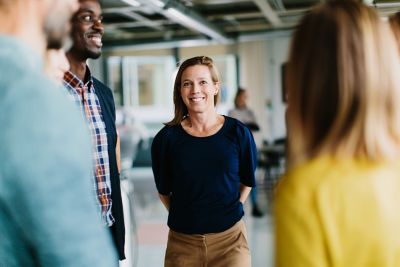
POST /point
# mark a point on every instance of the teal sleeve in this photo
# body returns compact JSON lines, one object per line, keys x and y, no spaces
{"x":46,"y":190}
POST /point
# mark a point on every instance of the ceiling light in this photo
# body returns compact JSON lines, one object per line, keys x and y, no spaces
{"x":132,"y":2}
{"x":182,"y":18}
{"x":158,"y":3}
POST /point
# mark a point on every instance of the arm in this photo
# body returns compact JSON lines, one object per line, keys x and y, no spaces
{"x":51,"y":192}
{"x":247,"y":162}
{"x":244,"y":193}
{"x":165,"y":200}
{"x":159,"y":161}
{"x":118,"y":154}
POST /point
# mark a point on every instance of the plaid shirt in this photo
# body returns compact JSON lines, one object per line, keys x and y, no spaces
{"x":85,"y":97}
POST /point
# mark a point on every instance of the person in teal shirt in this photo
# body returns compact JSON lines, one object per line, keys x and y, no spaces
{"x":47,"y":217}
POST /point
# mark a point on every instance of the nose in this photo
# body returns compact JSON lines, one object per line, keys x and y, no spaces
{"x":195,"y":88}
{"x":98,"y":25}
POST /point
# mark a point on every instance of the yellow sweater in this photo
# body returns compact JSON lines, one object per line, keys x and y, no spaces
{"x":341,"y":213}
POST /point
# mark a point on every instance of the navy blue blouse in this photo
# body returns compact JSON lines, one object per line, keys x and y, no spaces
{"x":203,"y":175}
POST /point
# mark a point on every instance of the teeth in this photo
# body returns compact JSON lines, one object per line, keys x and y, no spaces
{"x":197,"y":99}
{"x":97,"y":40}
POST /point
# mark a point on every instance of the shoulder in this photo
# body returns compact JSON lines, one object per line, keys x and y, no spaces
{"x":105,"y":95}
{"x":100,"y":87}
{"x":27,"y":93}
{"x":323,"y":176}
{"x":300,"y":185}
{"x":235,"y":113}
{"x":250,"y":111}
{"x":164,"y":138}
{"x":39,"y":118}
{"x":165,"y":133}
{"x":99,"y":83}
{"x":309,"y":175}
{"x":235,"y":126}
{"x":41,"y":106}
{"x":46,"y":101}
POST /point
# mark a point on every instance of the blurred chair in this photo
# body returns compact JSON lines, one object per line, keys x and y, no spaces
{"x":131,"y":134}
{"x":143,"y":154}
{"x":272,"y":160}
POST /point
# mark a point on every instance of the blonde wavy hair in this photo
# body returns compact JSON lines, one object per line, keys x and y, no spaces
{"x":394,"y":22}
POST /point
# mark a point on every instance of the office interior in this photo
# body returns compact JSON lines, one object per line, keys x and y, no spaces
{"x":144,"y":43}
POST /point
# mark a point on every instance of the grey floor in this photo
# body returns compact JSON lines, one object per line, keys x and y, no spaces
{"x":147,"y":229}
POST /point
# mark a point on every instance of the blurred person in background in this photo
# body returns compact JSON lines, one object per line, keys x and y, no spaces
{"x":47,"y":217}
{"x":96,"y":102}
{"x":242,"y":113}
{"x":56,"y":64}
{"x":203,"y":165}
{"x":338,"y":205}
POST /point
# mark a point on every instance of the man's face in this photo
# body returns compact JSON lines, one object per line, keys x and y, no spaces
{"x":57,"y":23}
{"x":87,"y":30}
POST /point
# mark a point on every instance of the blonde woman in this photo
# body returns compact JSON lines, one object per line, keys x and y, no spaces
{"x":394,"y":21}
{"x":203,"y":166}
{"x":339,"y":203}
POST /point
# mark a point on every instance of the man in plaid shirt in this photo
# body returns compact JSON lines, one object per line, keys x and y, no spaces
{"x":96,"y":103}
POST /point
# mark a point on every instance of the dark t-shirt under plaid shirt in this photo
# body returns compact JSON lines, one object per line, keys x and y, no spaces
{"x":85,"y":97}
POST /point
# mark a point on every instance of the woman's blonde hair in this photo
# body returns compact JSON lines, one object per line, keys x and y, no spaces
{"x":343,"y":90}
{"x":394,"y":21}
{"x":180,"y":110}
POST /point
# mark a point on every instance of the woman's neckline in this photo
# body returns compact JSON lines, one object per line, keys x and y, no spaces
{"x":213,"y":132}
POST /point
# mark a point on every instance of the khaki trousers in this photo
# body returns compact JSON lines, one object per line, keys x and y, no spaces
{"x":225,"y":249}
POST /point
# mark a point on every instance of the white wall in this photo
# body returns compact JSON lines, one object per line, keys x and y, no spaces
{"x":260,"y":73}
{"x":254,"y":77}
{"x":278,"y":55}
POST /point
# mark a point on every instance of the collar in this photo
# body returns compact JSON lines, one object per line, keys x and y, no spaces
{"x":73,"y":80}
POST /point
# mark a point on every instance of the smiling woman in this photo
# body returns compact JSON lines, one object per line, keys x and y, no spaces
{"x":204,"y":165}
{"x":209,"y":70}
{"x":198,"y":91}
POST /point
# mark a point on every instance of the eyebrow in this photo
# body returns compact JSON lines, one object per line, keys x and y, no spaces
{"x":199,"y":78}
{"x":87,"y":10}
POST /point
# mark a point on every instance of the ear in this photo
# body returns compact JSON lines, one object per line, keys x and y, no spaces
{"x":217,"y":86}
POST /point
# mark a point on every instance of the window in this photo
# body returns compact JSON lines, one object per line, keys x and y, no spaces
{"x":148,"y":81}
{"x":226,"y":65}
{"x":114,"y":78}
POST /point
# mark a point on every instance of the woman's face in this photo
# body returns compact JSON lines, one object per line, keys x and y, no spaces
{"x":198,"y":89}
